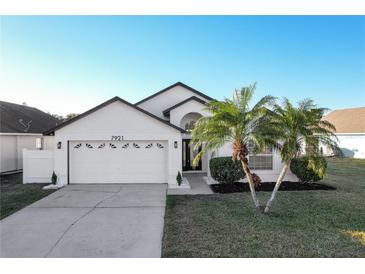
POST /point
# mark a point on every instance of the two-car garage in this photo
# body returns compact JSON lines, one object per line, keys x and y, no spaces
{"x":116,"y":143}
{"x":113,"y":162}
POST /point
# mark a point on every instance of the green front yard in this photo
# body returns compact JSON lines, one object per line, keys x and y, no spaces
{"x":14,"y":195}
{"x":301,"y":223}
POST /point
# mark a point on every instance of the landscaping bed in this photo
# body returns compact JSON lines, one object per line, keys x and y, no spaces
{"x":269,"y":186}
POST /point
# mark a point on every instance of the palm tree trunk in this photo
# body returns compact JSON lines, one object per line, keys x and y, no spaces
{"x":276,"y":188}
{"x":251,"y":185}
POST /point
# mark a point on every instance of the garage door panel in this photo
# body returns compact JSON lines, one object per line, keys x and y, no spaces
{"x":118,"y":162}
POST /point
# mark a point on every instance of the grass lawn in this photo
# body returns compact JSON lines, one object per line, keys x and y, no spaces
{"x":301,"y":223}
{"x":14,"y":195}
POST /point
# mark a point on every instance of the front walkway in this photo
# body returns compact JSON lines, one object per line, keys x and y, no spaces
{"x":88,"y":221}
{"x":197,"y":184}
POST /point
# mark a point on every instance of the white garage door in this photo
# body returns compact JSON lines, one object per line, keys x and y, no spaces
{"x":118,"y":162}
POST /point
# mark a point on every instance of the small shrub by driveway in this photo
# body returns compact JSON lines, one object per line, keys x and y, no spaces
{"x":303,"y":224}
{"x":15,"y":195}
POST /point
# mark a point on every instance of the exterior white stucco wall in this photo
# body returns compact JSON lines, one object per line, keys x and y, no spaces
{"x":192,"y":106}
{"x":351,"y":145}
{"x":167,"y":99}
{"x":265,"y":175}
{"x":48,"y":143}
{"x":12,"y":145}
{"x":8,"y":153}
{"x":118,"y":119}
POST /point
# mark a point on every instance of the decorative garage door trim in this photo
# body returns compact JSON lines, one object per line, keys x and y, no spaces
{"x":118,"y":162}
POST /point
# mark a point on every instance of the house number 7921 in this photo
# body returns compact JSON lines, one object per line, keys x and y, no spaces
{"x":117,"y":138}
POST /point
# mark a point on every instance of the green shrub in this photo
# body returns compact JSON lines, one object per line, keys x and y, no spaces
{"x":179,"y":178}
{"x":225,"y":171}
{"x":309,"y":168}
{"x":54,"y":178}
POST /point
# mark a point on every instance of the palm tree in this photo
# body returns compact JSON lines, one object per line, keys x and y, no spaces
{"x":299,"y":130}
{"x":235,"y":122}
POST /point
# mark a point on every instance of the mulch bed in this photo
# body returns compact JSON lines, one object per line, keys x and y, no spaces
{"x":285,"y":186}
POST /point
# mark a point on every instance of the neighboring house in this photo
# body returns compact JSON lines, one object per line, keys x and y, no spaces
{"x":350,"y":131}
{"x":22,"y":127}
{"x":146,"y":142}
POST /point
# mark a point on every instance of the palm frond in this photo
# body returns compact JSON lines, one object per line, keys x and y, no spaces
{"x":302,"y":128}
{"x":233,"y":120}
{"x":306,"y":104}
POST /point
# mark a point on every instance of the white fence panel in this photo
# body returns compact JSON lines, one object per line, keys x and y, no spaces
{"x":37,"y":166}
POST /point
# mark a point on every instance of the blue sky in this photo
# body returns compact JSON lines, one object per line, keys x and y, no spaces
{"x":68,"y":64}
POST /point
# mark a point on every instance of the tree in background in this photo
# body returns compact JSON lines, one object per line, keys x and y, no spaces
{"x":70,"y":116}
{"x":62,"y":118}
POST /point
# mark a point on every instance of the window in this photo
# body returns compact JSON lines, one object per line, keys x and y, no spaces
{"x":189,"y":126}
{"x":262,"y":160}
{"x":38,"y":143}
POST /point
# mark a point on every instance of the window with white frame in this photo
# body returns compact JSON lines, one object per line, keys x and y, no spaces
{"x":262,"y":160}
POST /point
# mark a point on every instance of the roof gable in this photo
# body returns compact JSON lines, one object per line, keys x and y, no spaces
{"x":172,"y":86}
{"x":17,"y":118}
{"x":350,"y":120}
{"x":166,"y":112}
{"x":112,"y":100}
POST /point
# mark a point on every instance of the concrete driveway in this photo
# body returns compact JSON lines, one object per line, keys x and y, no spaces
{"x":89,"y":221}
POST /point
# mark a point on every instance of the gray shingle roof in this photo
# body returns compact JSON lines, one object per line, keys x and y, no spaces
{"x":16,"y":118}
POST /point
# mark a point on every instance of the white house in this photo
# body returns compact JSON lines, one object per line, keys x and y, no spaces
{"x":22,"y":127}
{"x":350,"y":131}
{"x":146,"y":142}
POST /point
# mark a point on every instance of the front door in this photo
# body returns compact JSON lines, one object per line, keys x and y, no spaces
{"x":188,"y":155}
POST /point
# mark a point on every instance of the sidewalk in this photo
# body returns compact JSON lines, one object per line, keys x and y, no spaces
{"x":197,"y":184}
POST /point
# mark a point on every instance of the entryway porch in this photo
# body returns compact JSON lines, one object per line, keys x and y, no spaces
{"x":198,"y":185}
